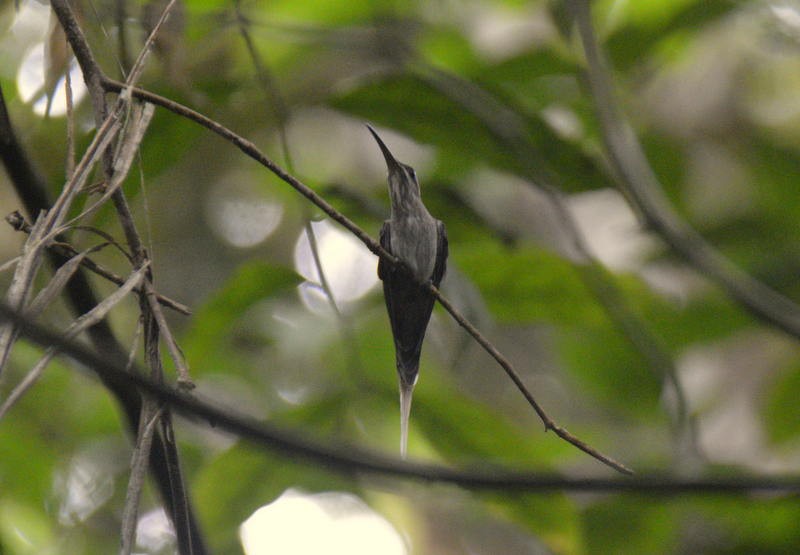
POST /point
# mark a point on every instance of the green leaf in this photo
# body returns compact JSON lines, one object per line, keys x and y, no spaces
{"x":781,"y":409}
{"x":24,"y":529}
{"x":553,"y":518}
{"x":605,"y":363}
{"x":447,"y":47}
{"x":212,"y":324}
{"x":626,"y":525}
{"x":467,"y":431}
{"x":700,"y":320}
{"x":641,"y":27}
{"x":750,"y":524}
{"x":526,"y":284}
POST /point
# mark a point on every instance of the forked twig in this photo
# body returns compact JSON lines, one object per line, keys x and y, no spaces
{"x":80,"y":324}
{"x":189,"y":539}
{"x":17,"y":221}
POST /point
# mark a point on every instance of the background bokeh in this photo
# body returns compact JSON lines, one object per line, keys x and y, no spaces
{"x":712,"y":88}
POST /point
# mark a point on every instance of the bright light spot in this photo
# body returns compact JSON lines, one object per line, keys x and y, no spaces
{"x":610,"y":229}
{"x":31,"y":21}
{"x":87,"y":485}
{"x":349,"y":268}
{"x":245,"y":224}
{"x":499,"y":33}
{"x":31,"y":84}
{"x":788,"y":14}
{"x":331,"y":523}
{"x":563,"y":121}
{"x":293,"y":396}
{"x":241,"y":215}
{"x":154,"y":531}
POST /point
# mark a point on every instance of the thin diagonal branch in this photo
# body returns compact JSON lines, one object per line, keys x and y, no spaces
{"x":19,"y":291}
{"x":67,"y":251}
{"x":507,"y":127}
{"x":141,"y":451}
{"x":78,"y":326}
{"x":253,"y":152}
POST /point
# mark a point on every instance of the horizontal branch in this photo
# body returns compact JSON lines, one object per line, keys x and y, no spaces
{"x":347,"y":459}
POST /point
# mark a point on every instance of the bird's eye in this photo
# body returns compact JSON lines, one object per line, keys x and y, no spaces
{"x":413,"y":173}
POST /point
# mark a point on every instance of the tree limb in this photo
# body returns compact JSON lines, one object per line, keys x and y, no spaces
{"x":348,"y":459}
{"x":643,"y":188}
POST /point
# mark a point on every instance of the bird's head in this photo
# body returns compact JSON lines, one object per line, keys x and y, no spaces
{"x":403,"y":184}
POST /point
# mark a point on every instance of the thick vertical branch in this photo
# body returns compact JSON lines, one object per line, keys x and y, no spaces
{"x":32,"y":190}
{"x":172,"y":486}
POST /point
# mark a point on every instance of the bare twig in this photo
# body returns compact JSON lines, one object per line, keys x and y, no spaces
{"x":253,"y":152}
{"x":70,"y":162}
{"x":83,"y":322}
{"x":267,"y":82}
{"x":32,"y":190}
{"x":58,"y":282}
{"x":46,"y":228}
{"x":121,"y":17}
{"x":117,"y":170}
{"x":21,"y":284}
{"x":141,"y":451}
{"x":149,"y":415}
{"x":138,"y":121}
{"x":16,"y":220}
{"x":549,"y":424}
{"x":349,"y":460}
{"x":56,"y":215}
{"x":8,"y":264}
{"x":138,"y":65}
{"x":189,"y":540}
{"x":642,"y":186}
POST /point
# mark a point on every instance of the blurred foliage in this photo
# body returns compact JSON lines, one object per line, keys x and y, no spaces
{"x":705,"y":85}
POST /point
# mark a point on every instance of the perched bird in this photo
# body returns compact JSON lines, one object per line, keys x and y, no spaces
{"x":420,"y":242}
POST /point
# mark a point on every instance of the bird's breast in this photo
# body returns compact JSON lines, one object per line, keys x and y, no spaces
{"x":414,"y":242}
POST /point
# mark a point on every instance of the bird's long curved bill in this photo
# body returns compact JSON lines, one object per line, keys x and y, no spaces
{"x":387,"y":154}
{"x":406,"y":392}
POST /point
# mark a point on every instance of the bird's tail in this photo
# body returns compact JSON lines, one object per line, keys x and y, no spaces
{"x":406,"y":391}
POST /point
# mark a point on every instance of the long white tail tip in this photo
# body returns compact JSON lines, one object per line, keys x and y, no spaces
{"x":406,"y":392}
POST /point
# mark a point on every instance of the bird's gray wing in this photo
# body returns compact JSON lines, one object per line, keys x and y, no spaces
{"x":440,"y":266}
{"x":385,"y":239}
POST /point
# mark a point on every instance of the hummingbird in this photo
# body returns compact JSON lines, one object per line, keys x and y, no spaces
{"x":420,"y":242}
